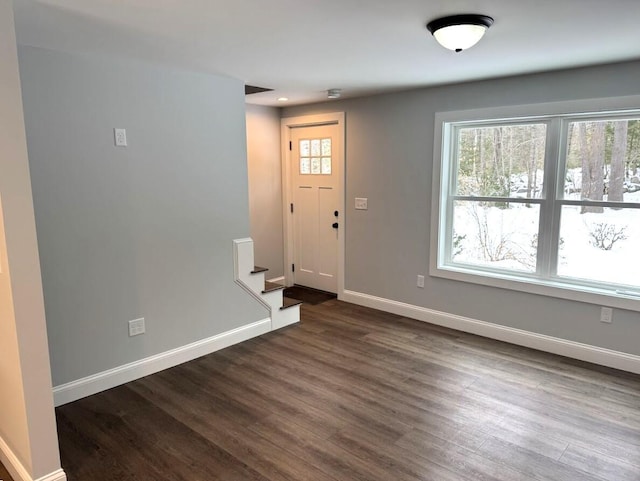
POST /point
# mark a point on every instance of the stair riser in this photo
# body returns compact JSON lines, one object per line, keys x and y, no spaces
{"x":244,"y":265}
{"x":286,"y":317}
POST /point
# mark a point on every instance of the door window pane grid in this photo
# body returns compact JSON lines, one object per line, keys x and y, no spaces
{"x":315,"y":157}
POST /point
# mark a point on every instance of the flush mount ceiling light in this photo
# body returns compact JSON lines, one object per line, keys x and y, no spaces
{"x":459,"y":32}
{"x":334,"y":93}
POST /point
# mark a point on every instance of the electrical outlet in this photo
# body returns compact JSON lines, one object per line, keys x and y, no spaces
{"x":136,"y":327}
{"x":120,"y":136}
{"x":361,"y":203}
{"x":421,"y":281}
{"x":606,"y":315}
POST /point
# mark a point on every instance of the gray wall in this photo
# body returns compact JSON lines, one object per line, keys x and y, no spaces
{"x":27,"y":421}
{"x":389,"y":160}
{"x":265,"y":187}
{"x":143,"y":231}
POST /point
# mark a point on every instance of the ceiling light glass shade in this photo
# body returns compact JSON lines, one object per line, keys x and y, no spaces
{"x":459,"y":37}
{"x":459,"y":32}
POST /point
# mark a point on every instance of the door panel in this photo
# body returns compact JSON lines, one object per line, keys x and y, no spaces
{"x":327,"y":235}
{"x":307,"y":230}
{"x":315,"y":197}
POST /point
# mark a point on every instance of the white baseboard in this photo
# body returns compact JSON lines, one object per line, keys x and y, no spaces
{"x":72,"y":391}
{"x":17,"y":470}
{"x":55,"y":476}
{"x":277,"y":280}
{"x":541,"y":342}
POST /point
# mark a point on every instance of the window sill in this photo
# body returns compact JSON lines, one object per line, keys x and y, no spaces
{"x":558,"y":289}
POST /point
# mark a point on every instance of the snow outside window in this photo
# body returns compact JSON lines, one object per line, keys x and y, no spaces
{"x":547,"y":204}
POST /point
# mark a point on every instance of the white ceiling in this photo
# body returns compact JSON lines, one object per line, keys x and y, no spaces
{"x":301,"y":48}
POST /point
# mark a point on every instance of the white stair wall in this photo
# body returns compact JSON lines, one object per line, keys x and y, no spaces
{"x":254,"y":284}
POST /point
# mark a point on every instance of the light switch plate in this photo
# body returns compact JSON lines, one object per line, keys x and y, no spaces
{"x":362,"y":203}
{"x":120,"y":136}
{"x":136,"y":327}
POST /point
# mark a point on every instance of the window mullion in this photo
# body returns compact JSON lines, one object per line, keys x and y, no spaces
{"x":561,"y":170}
{"x":548,"y":237}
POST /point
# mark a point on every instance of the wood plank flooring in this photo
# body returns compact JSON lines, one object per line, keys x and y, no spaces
{"x":4,"y":474}
{"x":356,"y":394}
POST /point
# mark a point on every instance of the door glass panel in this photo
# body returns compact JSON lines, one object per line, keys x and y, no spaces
{"x":315,"y":165}
{"x":305,"y":165}
{"x":326,"y":147}
{"x":315,"y":147}
{"x":326,"y":165}
{"x":305,"y":149}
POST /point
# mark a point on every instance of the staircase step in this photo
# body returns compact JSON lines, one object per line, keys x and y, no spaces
{"x":288,"y":302}
{"x":271,"y":286}
{"x":258,"y":270}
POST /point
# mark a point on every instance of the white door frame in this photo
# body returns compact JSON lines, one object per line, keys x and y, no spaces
{"x":335,"y":118}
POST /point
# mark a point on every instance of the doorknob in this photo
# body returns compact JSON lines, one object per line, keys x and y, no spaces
{"x":335,"y":225}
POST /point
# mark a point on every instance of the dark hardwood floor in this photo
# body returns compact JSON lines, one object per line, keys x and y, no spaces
{"x":4,"y":474}
{"x":356,"y":394}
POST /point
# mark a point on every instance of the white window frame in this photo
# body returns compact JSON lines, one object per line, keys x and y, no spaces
{"x":557,"y":116}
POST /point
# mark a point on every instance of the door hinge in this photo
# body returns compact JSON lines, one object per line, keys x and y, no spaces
{"x":292,"y":208}
{"x":290,"y":145}
{"x":293,"y":267}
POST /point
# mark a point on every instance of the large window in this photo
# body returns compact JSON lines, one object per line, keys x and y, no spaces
{"x":548,"y":204}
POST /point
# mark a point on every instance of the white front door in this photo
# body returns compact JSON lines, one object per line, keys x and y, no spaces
{"x":315,"y":173}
